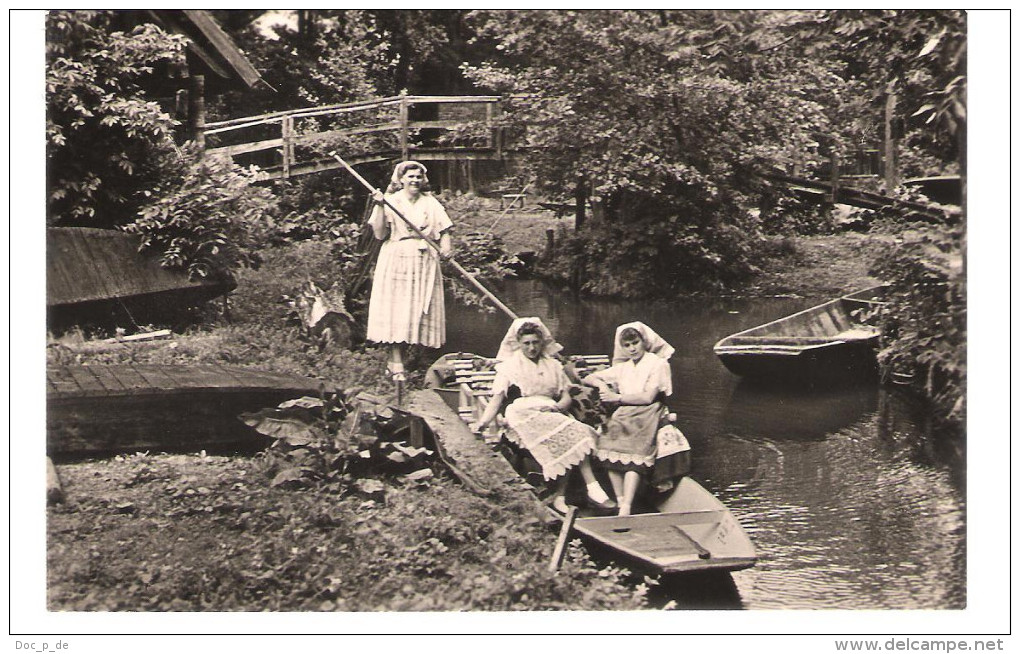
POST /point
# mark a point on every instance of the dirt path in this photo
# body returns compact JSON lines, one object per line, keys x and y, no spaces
{"x":818,"y":267}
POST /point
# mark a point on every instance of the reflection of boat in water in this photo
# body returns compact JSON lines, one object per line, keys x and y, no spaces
{"x":827,"y":343}
{"x":684,"y":529}
{"x":758,"y":412}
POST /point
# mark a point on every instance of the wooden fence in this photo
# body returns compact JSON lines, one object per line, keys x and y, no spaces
{"x":290,"y":143}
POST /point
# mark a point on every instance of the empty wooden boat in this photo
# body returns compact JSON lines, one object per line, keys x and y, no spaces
{"x":685,"y":529}
{"x":103,"y":409}
{"x":829,"y":342}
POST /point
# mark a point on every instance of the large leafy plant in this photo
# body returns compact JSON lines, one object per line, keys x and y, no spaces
{"x":210,"y":221}
{"x":107,"y":140}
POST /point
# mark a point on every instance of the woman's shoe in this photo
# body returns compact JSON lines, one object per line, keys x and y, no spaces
{"x":598,"y":498}
{"x":606,"y":505}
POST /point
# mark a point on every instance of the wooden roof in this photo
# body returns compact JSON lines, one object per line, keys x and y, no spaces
{"x":85,"y":264}
{"x":210,"y":44}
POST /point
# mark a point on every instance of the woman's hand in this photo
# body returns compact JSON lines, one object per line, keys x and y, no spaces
{"x":476,"y":427}
{"x":611,"y":397}
{"x":377,"y":196}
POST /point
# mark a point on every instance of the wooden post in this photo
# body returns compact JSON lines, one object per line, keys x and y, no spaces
{"x":580,"y":197}
{"x":285,"y":132}
{"x":891,"y":164}
{"x":834,"y":173}
{"x":491,"y":140}
{"x":561,"y":542}
{"x":497,"y":131}
{"x":196,"y":111}
{"x":404,"y":150}
{"x":54,"y":491}
{"x":550,"y":243}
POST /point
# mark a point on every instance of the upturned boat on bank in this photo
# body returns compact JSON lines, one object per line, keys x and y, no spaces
{"x":830,"y":342}
{"x":682,"y":529}
{"x":103,"y":409}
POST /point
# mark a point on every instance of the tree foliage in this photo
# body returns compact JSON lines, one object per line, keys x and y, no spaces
{"x":209,"y":221}
{"x":106,"y":140}
{"x":925,"y":322}
{"x":696,"y":104}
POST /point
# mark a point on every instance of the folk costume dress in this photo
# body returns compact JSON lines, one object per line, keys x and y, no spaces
{"x":629,"y":441}
{"x":557,"y":442}
{"x":406,"y":305}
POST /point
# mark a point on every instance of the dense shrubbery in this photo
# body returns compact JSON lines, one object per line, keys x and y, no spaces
{"x":209,"y":221}
{"x":789,"y":215}
{"x":924,"y":324}
{"x":107,"y":142}
{"x":656,"y":249}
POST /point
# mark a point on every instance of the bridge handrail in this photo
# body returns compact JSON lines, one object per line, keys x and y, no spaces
{"x":309,"y":112}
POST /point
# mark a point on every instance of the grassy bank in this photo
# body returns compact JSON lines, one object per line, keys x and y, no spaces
{"x":191,"y":532}
{"x":206,"y":533}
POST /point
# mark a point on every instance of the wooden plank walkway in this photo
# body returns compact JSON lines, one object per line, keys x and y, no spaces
{"x":139,"y":379}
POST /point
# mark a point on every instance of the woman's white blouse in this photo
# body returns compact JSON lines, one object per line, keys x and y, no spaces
{"x":544,"y":377}
{"x":650,"y":373}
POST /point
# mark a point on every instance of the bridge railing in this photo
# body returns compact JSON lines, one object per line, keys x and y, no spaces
{"x":288,"y":143}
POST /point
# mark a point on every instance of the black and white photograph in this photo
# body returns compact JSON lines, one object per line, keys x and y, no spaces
{"x":532,"y":321}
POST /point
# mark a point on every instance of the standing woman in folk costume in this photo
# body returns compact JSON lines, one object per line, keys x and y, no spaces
{"x":537,"y":417}
{"x":406,"y":305}
{"x":641,"y":376}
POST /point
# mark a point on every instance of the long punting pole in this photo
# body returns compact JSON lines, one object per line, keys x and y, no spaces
{"x":435,"y":246}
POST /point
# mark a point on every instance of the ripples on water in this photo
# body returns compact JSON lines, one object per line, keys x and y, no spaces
{"x":846,"y":499}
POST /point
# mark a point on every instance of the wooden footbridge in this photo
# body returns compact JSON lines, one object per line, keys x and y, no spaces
{"x":286,"y":144}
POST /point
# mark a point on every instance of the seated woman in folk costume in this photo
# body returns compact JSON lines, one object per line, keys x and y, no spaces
{"x":641,"y":376}
{"x":406,"y":306}
{"x":537,"y":419}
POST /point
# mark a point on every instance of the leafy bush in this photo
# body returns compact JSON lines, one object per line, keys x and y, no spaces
{"x":486,"y":258}
{"x":209,"y":222}
{"x":106,"y":141}
{"x":924,"y":324}
{"x":788,"y":215}
{"x":660,"y":246}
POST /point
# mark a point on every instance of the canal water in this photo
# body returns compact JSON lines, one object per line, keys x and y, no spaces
{"x":849,"y":502}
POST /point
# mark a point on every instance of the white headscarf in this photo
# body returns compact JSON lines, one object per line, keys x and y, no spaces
{"x":510,"y":345}
{"x":653,"y":342}
{"x":401,"y":168}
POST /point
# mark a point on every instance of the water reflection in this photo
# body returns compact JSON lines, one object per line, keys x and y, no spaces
{"x":756,"y":412}
{"x":849,"y":501}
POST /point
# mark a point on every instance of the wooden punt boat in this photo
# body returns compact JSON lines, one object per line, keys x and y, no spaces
{"x":103,"y":409}
{"x":95,"y":272}
{"x":829,"y":342}
{"x":685,"y":529}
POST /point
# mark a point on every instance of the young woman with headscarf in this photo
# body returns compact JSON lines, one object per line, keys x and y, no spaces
{"x":642,"y":378}
{"x":537,"y":418}
{"x":406,"y":306}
